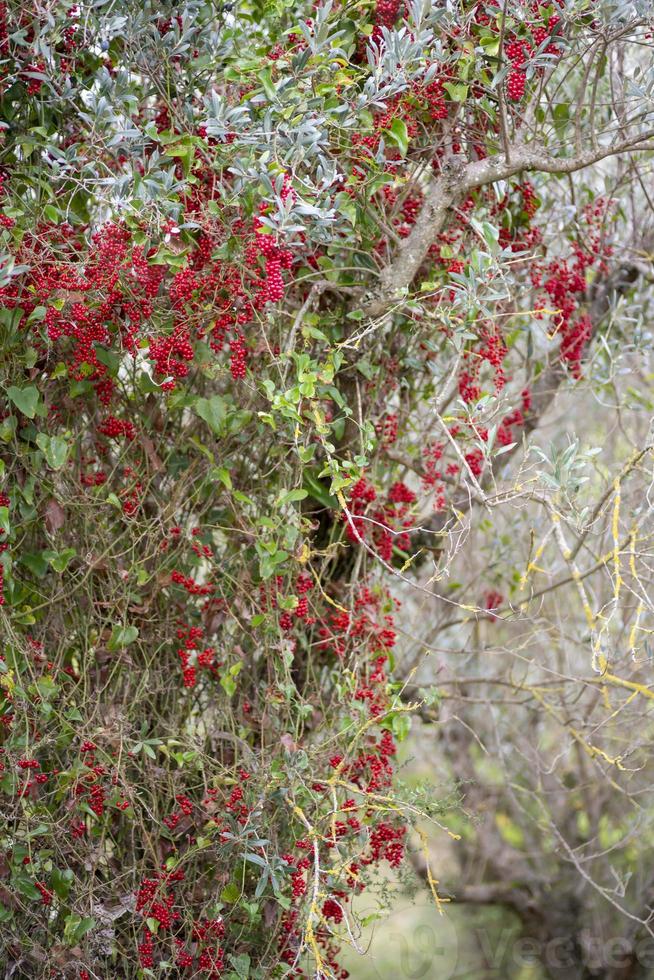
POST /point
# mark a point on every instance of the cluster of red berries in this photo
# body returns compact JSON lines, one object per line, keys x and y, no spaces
{"x":383,"y":524}
{"x":186,"y":808}
{"x":368,"y":626}
{"x":493,"y":600}
{"x":155,"y":900}
{"x":386,"y":429}
{"x":189,"y":635}
{"x":387,"y":843}
{"x":146,"y":950}
{"x":189,"y":584}
{"x":236,"y":805}
{"x":131,"y":495}
{"x":520,"y":50}
{"x":300,"y":614}
{"x":373,"y":693}
{"x":516,"y":52}
{"x":46,"y":894}
{"x":276,"y":259}
{"x":89,"y":787}
{"x":172,"y":355}
{"x":564,"y":281}
{"x":385,"y":15}
{"x":114,"y":428}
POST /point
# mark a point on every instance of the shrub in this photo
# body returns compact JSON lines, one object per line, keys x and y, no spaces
{"x":271,"y":279}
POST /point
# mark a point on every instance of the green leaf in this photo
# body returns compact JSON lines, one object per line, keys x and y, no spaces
{"x":223,"y":475}
{"x":60,"y":559}
{"x":228,"y":685}
{"x":7,"y":428}
{"x":85,"y":926}
{"x":75,"y":928}
{"x":213,"y":411}
{"x":458,"y":91}
{"x":237,"y":421}
{"x":26,"y":400}
{"x":230,"y":893}
{"x":267,"y":84}
{"x":319,"y":491}
{"x":256,"y":859}
{"x":122,"y":636}
{"x":291,"y":496}
{"x":241,"y":964}
{"x":54,"y":448}
{"x":62,"y":882}
{"x":491,"y":45}
{"x":27,"y":888}
{"x":109,"y":358}
{"x":36,"y":562}
{"x":365,"y":368}
{"x":38,"y":831}
{"x":268,"y":563}
{"x":37,"y":314}
{"x":46,"y":687}
{"x":400,"y":726}
{"x":399,"y":134}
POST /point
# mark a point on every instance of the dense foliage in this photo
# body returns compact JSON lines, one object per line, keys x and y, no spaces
{"x":284,"y":288}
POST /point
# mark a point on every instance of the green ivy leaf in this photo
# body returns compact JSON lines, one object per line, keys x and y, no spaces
{"x":62,"y":882}
{"x":26,"y":400}
{"x":60,"y":559}
{"x":213,"y":411}
{"x":122,"y":636}
{"x":241,"y":964}
{"x":230,"y":893}
{"x":36,"y":562}
{"x":27,"y":888}
{"x":75,"y":928}
{"x":54,"y":448}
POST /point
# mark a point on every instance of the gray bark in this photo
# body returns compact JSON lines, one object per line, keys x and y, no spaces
{"x":455,"y":183}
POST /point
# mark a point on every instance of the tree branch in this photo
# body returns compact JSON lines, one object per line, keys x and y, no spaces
{"x":456,"y":181}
